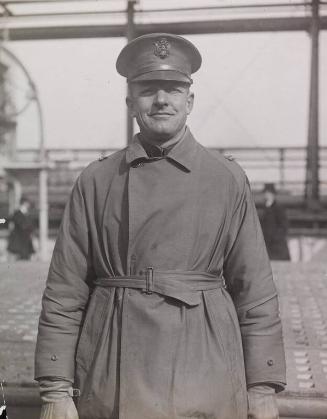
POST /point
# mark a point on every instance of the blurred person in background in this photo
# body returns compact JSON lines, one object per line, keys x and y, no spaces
{"x":21,"y":227}
{"x":274,"y":225}
{"x":160,"y":301}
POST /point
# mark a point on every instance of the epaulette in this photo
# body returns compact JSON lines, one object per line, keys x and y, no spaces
{"x":229,"y":157}
{"x":103,"y":157}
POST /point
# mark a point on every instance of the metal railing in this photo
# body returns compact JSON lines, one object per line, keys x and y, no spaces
{"x":284,"y":166}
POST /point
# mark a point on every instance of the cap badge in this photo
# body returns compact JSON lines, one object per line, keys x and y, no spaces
{"x":161,"y":48}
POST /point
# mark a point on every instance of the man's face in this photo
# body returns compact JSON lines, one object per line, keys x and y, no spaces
{"x":269,"y":196}
{"x":25,"y":207}
{"x":160,"y":107}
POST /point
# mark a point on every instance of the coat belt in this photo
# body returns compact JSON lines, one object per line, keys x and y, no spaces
{"x":186,"y":286}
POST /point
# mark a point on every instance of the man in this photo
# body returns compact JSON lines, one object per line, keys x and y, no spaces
{"x":274,"y":225}
{"x":160,"y":272}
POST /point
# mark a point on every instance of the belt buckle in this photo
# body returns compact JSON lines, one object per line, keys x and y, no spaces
{"x":149,"y":280}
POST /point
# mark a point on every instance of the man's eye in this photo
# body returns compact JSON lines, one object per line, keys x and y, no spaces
{"x":147,"y":92}
{"x":175,"y":90}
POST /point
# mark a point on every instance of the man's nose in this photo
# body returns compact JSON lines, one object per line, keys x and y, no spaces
{"x":160,"y":98}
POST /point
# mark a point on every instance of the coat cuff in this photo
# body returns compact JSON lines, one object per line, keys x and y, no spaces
{"x":54,"y":363}
{"x":264,"y":361}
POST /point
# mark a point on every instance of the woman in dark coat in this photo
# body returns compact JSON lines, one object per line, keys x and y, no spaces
{"x":20,"y":238}
{"x":274,"y":225}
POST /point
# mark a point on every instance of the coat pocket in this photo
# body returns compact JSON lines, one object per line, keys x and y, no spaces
{"x":92,"y":328}
{"x":226,"y":325}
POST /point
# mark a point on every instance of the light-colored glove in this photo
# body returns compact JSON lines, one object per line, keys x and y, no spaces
{"x":262,"y":403}
{"x":61,"y":409}
{"x":56,"y":395}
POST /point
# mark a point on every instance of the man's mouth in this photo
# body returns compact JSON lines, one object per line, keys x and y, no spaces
{"x":160,"y":114}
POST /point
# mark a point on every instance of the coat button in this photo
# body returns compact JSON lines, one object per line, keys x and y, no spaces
{"x":270,"y":362}
{"x":54,"y":358}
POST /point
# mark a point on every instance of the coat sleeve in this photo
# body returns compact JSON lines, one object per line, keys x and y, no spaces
{"x":249,"y":279}
{"x":66,"y":293}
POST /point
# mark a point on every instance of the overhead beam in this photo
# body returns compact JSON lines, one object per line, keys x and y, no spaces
{"x":7,"y":12}
{"x":19,"y":31}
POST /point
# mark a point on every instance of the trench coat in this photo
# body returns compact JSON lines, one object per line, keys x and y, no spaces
{"x":204,"y":322}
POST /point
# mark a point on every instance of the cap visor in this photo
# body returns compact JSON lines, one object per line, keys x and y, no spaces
{"x":163,"y":75}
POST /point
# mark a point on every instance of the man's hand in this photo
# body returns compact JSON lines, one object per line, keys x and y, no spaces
{"x":61,"y":409}
{"x":262,"y":403}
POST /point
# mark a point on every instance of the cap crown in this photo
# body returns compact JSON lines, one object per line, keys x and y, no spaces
{"x":159,"y":56}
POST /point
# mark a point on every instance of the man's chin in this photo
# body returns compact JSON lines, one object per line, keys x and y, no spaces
{"x":160,"y":135}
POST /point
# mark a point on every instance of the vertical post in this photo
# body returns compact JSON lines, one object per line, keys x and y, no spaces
{"x":312,"y":170}
{"x":300,"y":248}
{"x":11,"y":195}
{"x":43,"y":186}
{"x":281,"y":168}
{"x":15,"y":194}
{"x":43,"y":218}
{"x":130,"y":34}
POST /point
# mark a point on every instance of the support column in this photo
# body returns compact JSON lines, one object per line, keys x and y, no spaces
{"x":130,"y":34}
{"x":14,"y":194}
{"x":43,"y":186}
{"x":281,"y":168}
{"x":312,"y":170}
{"x":43,"y":213}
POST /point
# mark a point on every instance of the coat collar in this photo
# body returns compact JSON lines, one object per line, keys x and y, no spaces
{"x":182,"y":153}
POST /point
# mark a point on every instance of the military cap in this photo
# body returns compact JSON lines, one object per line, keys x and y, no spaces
{"x":159,"y":56}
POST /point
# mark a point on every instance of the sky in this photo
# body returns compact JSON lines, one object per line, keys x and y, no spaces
{"x":252,"y":90}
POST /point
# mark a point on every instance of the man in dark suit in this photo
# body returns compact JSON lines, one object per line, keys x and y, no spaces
{"x":274,"y":225}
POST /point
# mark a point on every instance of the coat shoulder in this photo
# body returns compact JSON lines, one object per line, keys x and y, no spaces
{"x":102,"y":166}
{"x":228,"y":164}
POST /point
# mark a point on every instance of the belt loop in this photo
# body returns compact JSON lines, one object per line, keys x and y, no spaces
{"x":149,"y":280}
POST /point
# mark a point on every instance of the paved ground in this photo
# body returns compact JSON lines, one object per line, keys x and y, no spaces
{"x":21,"y":286}
{"x":303,"y":296}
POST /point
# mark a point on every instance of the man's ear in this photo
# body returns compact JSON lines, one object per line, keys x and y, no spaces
{"x":190,"y":102}
{"x":129,"y":103}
